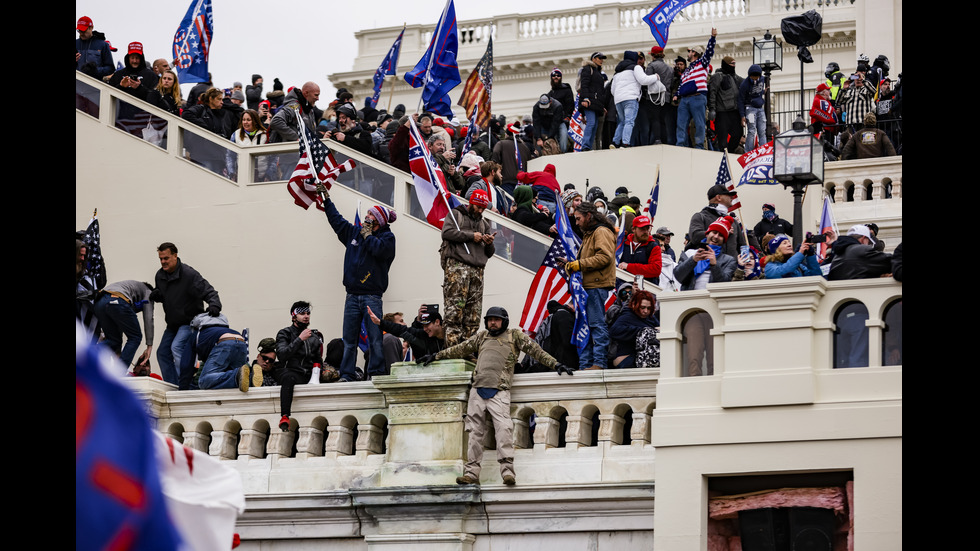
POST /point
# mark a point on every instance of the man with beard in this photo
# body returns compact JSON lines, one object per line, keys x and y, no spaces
{"x":467,"y":245}
{"x":692,"y":93}
{"x":349,"y":132}
{"x":446,"y":156}
{"x":491,"y":177}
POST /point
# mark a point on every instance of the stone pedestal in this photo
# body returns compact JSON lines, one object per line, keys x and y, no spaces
{"x":426,"y":441}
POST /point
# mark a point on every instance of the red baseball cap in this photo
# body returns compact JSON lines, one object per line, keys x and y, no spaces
{"x":84,"y":23}
{"x":641,"y":222}
{"x":135,"y":48}
{"x":480,"y":198}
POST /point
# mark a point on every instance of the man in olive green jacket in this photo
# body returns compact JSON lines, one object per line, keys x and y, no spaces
{"x":498,"y":348}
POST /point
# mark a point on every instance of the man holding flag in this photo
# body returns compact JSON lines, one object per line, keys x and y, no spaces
{"x":369,"y":252}
{"x":597,"y":263}
{"x":467,"y":245}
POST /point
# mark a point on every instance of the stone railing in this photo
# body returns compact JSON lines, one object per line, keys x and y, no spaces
{"x":778,"y":341}
{"x":407,"y":428}
{"x":863,"y":179}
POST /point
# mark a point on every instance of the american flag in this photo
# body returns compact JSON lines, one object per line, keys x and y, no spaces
{"x":192,"y":42}
{"x":576,"y":128}
{"x":94,"y":263}
{"x":322,"y":168}
{"x":476,"y":92}
{"x":362,"y":338}
{"x":550,"y":283}
{"x":472,"y":133}
{"x":724,"y":178}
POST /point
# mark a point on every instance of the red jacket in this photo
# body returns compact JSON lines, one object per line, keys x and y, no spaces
{"x":642,"y":258}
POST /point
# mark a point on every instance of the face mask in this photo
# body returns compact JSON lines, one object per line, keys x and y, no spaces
{"x":602,"y":210}
{"x":769,"y":215}
{"x":721,"y":209}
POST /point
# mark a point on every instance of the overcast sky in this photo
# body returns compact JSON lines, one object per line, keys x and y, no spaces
{"x":294,"y":40}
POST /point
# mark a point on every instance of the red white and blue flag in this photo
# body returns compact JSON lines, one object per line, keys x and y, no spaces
{"x":758,"y":166}
{"x":430,"y":182}
{"x":724,"y":178}
{"x":316,"y":164}
{"x":192,"y":42}
{"x":362,"y":338}
{"x":662,"y":16}
{"x":652,"y":202}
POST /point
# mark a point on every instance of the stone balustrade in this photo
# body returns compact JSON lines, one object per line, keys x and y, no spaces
{"x":860,"y":180}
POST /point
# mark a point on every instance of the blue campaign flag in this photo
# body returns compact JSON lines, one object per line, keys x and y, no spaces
{"x":388,"y":66}
{"x":662,"y":16}
{"x":192,"y":42}
{"x":651,"y":207}
{"x":437,"y":71}
{"x":571,"y":244}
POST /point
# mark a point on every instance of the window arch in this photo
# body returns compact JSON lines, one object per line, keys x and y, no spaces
{"x":891,"y":342}
{"x":698,"y":356}
{"x":851,"y":335}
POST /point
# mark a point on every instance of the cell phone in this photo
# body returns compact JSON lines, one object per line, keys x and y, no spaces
{"x":703,"y":246}
{"x":431,"y":308}
{"x":818,"y":238}
{"x":743,"y":250}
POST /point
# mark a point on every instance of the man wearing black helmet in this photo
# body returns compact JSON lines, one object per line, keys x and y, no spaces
{"x":498,"y":348}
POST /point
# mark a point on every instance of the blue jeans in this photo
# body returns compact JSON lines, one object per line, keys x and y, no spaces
{"x":755,"y":124}
{"x":691,"y":107}
{"x":626,"y":110}
{"x":590,"y":125}
{"x":171,"y":346}
{"x":563,"y":137}
{"x":117,"y":318}
{"x":355,"y":310}
{"x":220,"y":370}
{"x":595,"y":353}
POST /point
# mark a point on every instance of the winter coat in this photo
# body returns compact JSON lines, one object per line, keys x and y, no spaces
{"x":642,"y":258}
{"x":751,"y":93}
{"x":563,"y":94}
{"x":722,"y":271}
{"x":182,"y":294}
{"x":458,"y":236}
{"x":366,"y":259}
{"x":597,"y":258}
{"x":629,"y":79}
{"x":592,"y":87}
{"x":723,"y":89}
{"x":797,"y":265}
{"x":852,"y":260}
{"x":285,"y":127}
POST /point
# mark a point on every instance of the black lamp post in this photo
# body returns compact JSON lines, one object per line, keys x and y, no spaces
{"x":768,"y":54}
{"x":797,"y":163}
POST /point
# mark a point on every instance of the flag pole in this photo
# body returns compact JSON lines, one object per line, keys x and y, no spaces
{"x":391,"y":91}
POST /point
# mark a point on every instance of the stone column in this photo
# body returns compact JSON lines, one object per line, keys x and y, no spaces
{"x":426,"y":441}
{"x":252,"y":444}
{"x":223,"y":445}
{"x":310,"y":443}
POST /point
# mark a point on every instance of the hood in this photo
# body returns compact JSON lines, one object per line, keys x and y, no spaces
{"x":843,"y":242}
{"x":550,"y":169}
{"x":755,"y":69}
{"x":627,"y":63}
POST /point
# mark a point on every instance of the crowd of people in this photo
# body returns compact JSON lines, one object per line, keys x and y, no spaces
{"x":641,"y":104}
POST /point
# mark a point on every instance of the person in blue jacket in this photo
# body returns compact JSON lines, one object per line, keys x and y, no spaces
{"x":370,"y":250}
{"x":783,"y":262}
{"x":634,"y":333}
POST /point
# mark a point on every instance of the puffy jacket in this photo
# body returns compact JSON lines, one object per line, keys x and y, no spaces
{"x":96,"y":52}
{"x":797,"y":265}
{"x":642,"y":258}
{"x":625,"y":329}
{"x":592,"y":87}
{"x":722,"y":271}
{"x":752,"y":93}
{"x":723,"y":91}
{"x":629,"y":79}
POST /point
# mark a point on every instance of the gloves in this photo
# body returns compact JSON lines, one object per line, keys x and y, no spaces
{"x":213,"y":311}
{"x":562,"y":368}
{"x":572,"y":266}
{"x":711,"y":115}
{"x":427,"y":359}
{"x":320,"y":188}
{"x":366,"y":230}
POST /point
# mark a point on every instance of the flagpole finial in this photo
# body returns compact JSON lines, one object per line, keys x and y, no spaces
{"x":95,"y":212}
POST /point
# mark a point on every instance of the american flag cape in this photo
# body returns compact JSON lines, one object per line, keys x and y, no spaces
{"x":576,"y":127}
{"x":430,"y":182}
{"x":192,"y":42}
{"x":389,"y":66}
{"x":318,"y":166}
{"x":477,"y":90}
{"x":92,"y":281}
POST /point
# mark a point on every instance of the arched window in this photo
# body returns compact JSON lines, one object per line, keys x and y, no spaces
{"x":891,"y":343}
{"x":851,"y":335}
{"x":698,"y":356}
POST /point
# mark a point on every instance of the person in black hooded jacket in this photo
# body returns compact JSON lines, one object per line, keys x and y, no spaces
{"x":135,"y":77}
{"x":854,"y":256}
